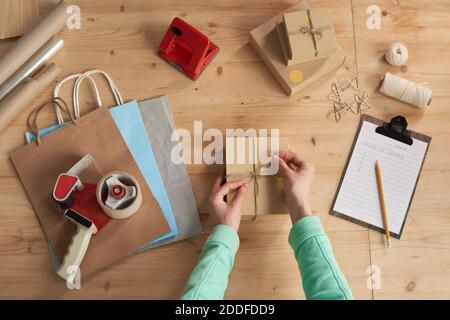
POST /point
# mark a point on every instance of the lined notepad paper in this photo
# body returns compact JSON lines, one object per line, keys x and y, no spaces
{"x":400,"y":167}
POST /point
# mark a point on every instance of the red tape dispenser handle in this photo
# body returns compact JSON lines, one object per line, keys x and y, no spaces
{"x":187,"y":49}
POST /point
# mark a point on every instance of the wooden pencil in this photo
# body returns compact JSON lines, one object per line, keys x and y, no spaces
{"x":382,"y":203}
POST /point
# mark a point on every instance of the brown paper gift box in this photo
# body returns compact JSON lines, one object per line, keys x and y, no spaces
{"x":39,"y":166}
{"x":306,"y":35}
{"x":265,"y":194}
{"x":292,"y":79}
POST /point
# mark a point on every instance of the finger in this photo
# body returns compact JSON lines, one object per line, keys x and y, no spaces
{"x":287,"y":156}
{"x":292,"y":157}
{"x":227,"y":187}
{"x":284,"y":168}
{"x":238,"y":199}
{"x":219,"y":181}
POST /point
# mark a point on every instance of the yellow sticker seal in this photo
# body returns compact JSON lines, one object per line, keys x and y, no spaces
{"x":296,"y":76}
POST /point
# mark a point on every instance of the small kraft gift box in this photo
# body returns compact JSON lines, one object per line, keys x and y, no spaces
{"x":248,"y":158}
{"x":265,"y":39}
{"x":306,"y":35}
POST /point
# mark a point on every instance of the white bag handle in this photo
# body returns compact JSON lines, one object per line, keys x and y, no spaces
{"x":79,"y":77}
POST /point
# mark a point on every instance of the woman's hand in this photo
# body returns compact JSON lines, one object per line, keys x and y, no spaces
{"x":228,"y":213}
{"x":298,"y":177}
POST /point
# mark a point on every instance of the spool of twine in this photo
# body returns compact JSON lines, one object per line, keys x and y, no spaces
{"x":397,"y":54}
{"x":405,"y":90}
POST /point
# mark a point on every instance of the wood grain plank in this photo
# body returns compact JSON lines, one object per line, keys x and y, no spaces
{"x":17,"y":16}
{"x":236,"y":90}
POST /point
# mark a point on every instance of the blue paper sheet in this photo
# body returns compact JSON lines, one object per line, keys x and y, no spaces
{"x":129,"y":121}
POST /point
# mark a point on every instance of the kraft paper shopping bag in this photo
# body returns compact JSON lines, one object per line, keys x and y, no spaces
{"x":38,"y":166}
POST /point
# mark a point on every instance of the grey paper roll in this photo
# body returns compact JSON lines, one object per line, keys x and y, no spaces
{"x":23,"y":95}
{"x":33,"y":40}
{"x":32,"y":65}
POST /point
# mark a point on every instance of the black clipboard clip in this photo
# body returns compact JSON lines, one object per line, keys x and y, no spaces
{"x":396,"y":129}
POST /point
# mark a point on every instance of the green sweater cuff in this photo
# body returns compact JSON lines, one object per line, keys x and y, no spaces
{"x":225,"y":235}
{"x":304,"y":229}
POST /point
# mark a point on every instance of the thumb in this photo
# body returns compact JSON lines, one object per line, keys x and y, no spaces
{"x":240,"y":196}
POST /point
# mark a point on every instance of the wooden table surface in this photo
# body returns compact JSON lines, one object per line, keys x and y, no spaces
{"x":122,"y":36}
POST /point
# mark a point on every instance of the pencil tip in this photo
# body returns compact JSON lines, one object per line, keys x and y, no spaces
{"x":388,"y":243}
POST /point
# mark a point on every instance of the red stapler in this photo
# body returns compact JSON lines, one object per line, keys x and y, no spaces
{"x":187,"y":49}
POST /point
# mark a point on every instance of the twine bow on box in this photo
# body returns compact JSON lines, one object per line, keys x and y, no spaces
{"x":249,"y":176}
{"x":316,"y":33}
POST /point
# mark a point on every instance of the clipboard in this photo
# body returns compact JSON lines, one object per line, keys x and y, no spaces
{"x":404,"y":153}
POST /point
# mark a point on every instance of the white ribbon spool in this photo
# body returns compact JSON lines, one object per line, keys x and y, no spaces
{"x":404,"y":90}
{"x":397,"y":54}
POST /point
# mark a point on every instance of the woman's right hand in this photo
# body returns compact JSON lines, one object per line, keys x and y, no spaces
{"x":298,"y":177}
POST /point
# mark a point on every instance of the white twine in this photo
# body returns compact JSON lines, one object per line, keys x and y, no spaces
{"x":405,"y":90}
{"x":79,"y":77}
{"x":397,"y":54}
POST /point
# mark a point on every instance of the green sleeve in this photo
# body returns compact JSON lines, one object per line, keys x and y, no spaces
{"x":209,"y":279}
{"x":322,"y":279}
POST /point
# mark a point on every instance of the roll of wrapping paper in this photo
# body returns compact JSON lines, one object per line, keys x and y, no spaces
{"x":23,"y":95}
{"x":32,"y":65}
{"x":33,"y":40}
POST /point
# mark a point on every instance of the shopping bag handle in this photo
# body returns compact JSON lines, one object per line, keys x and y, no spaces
{"x":79,"y":77}
{"x":32,"y":117}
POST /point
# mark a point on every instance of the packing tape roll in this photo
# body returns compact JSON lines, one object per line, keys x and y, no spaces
{"x":130,"y":208}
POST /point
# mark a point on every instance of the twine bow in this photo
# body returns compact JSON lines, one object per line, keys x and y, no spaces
{"x":249,"y":176}
{"x":316,"y":33}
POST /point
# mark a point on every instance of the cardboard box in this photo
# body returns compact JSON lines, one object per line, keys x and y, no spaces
{"x":292,"y":79}
{"x":265,"y":193}
{"x":306,"y":35}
